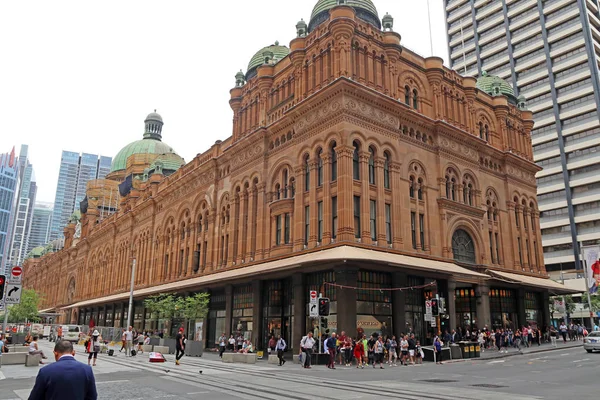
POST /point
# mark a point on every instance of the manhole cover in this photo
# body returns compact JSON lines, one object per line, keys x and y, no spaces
{"x":488,"y":386}
{"x":438,"y":380}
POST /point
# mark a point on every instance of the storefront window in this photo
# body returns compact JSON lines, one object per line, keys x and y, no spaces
{"x":503,"y":308}
{"x":373,"y":307}
{"x":277,"y":312}
{"x":215,"y":319}
{"x":466,"y":308}
{"x":241,"y":318}
{"x":533,"y":310}
{"x":415,"y":309}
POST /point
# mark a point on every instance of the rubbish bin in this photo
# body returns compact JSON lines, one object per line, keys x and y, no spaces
{"x":455,"y":351}
{"x":477,"y":352}
{"x":466,"y":351}
{"x":472,"y":349}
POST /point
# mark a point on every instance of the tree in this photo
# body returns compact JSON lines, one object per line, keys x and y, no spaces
{"x":595,"y":299}
{"x":192,"y":307}
{"x":27,"y":310}
{"x":164,"y":304}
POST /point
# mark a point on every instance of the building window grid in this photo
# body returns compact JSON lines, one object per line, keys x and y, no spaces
{"x":242,"y":297}
{"x":388,"y":223}
{"x":413,"y":229}
{"x":373,"y":219}
{"x":315,"y":281}
{"x":357,"y":229}
{"x":320,"y":221}
{"x":373,"y":280}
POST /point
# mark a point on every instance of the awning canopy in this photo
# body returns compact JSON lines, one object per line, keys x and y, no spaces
{"x":544,"y":283}
{"x":349,"y":253}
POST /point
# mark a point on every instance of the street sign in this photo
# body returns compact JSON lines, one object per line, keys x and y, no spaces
{"x":313,"y":297}
{"x":313,"y":310}
{"x":433,"y":323}
{"x":16,"y":275}
{"x":13,"y":294}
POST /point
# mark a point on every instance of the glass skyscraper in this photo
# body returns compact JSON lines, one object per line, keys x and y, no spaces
{"x":549,"y":50}
{"x":23,"y":214}
{"x":75,"y":172}
{"x":9,"y":178}
{"x":40,"y":225}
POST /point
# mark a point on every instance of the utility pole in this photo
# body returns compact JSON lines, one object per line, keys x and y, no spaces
{"x":131,"y":294}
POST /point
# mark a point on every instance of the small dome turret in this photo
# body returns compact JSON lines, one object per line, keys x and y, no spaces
{"x":365,"y":10}
{"x":301,"y":28}
{"x":387,"y":23}
{"x":522,"y":102}
{"x":274,"y":53}
{"x":240,"y":79}
{"x":496,"y":86}
{"x":154,"y":124}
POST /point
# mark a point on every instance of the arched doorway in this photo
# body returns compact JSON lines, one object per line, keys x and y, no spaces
{"x":463,"y":247}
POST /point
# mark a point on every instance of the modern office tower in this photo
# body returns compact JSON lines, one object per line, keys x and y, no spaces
{"x":9,"y":180}
{"x":75,"y":172}
{"x":23,"y":214}
{"x":40,"y":225}
{"x":549,"y":50}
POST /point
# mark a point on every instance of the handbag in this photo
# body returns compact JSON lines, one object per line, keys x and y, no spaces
{"x":96,"y":348}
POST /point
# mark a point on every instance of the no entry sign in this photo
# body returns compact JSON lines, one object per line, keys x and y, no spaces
{"x":16,"y":274}
{"x":313,"y":297}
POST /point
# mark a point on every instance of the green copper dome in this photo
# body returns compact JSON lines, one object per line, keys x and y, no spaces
{"x":365,"y":10}
{"x":274,"y":52}
{"x":150,"y":144}
{"x":495,"y":86}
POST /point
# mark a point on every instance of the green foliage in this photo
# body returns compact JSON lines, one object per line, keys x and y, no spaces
{"x":164,"y":304}
{"x":27,"y":310}
{"x":569,"y":304}
{"x":193,"y":307}
{"x":595,"y":299}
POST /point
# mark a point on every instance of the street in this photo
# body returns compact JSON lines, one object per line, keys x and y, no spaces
{"x":546,"y":375}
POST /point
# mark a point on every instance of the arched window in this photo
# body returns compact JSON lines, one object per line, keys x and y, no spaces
{"x":465,"y":193}
{"x":277,"y":192}
{"x":407,"y":95}
{"x":481,"y":130}
{"x":524,"y":216}
{"x":420,"y":189}
{"x":448,"y":187}
{"x":355,"y":162}
{"x":306,"y":174}
{"x":292,"y":188}
{"x":386,"y":171}
{"x":371,"y":166}
{"x":463,"y":247}
{"x":516,"y":212}
{"x":532,"y":214}
{"x":333,"y":163}
{"x":415,"y":99}
{"x":285,"y":183}
{"x":487,"y":133}
{"x":489,"y":211}
{"x":453,"y":191}
{"x":320,"y":168}
{"x":411,"y":187}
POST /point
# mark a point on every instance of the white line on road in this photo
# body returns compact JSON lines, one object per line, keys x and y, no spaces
{"x":585,"y":359}
{"x":197,"y":393}
{"x":566,"y":354}
{"x":496,"y":362}
{"x":2,"y":376}
{"x":105,"y":382}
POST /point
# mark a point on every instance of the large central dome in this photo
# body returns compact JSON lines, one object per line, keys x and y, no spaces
{"x":365,"y":10}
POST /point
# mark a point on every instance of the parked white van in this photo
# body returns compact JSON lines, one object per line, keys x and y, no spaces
{"x":71,"y":332}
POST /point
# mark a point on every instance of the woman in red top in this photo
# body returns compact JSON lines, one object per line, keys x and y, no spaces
{"x":359,"y":352}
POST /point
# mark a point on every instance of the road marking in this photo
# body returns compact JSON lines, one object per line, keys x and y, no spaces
{"x":496,"y":362}
{"x":198,"y":393}
{"x":566,"y":354}
{"x":585,"y":359}
{"x":105,"y":382}
{"x":2,"y":376}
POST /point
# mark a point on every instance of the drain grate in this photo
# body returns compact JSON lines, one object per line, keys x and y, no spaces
{"x":488,"y":386}
{"x":438,"y":380}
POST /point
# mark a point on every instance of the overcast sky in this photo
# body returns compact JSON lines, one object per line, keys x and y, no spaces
{"x":82,"y":75}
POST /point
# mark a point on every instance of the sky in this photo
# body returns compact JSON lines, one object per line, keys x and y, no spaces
{"x":82,"y":75}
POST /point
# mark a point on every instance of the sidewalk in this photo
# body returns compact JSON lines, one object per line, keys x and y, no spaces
{"x":494,"y":354}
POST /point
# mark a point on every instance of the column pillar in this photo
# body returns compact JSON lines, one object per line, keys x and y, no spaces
{"x":299,"y":216}
{"x":312,"y":240}
{"x":399,"y":280}
{"x":521,"y":306}
{"x":228,"y":310}
{"x":365,"y":235}
{"x":482,"y":293}
{"x":346,"y":299}
{"x":234,"y":223}
{"x":299,"y":327}
{"x":545,"y":308}
{"x":327,"y":234}
{"x":380,"y":217}
{"x":398,"y":194}
{"x":241,"y":231}
{"x":257,"y":328}
{"x":260,"y":224}
{"x":514,"y":233}
{"x":345,"y":194}
{"x":451,"y":303}
{"x":251,"y":232}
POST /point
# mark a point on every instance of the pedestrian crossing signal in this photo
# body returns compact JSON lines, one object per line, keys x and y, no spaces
{"x":324,"y":307}
{"x":435,"y":311}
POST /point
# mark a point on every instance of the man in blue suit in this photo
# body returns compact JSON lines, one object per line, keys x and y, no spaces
{"x":66,"y":378}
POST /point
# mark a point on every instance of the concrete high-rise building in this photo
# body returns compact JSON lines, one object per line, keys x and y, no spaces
{"x":9,"y":180}
{"x":549,"y":50}
{"x":75,"y":172}
{"x":23,"y":215}
{"x":40,"y":225}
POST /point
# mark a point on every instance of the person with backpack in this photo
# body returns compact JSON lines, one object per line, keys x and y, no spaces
{"x":306,"y":347}
{"x":280,"y":348}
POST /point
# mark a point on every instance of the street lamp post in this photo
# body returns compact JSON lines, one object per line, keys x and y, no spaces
{"x":131,"y":294}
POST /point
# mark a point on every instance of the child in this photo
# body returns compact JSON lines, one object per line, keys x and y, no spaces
{"x":419,"y":353}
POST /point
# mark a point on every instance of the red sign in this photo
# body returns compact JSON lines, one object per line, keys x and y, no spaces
{"x":17,"y":271}
{"x":313,"y":294}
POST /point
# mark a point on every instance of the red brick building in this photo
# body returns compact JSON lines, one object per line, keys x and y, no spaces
{"x":352,"y":161}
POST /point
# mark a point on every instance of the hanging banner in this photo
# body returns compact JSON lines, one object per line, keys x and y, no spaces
{"x":592,"y":266}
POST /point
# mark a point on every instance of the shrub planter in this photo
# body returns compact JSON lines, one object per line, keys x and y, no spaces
{"x":154,"y":341}
{"x":194,"y":348}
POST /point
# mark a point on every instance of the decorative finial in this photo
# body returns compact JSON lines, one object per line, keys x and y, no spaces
{"x":155,"y":110}
{"x":277,"y":43}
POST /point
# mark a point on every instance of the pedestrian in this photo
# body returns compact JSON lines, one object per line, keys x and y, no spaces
{"x":128,"y":335}
{"x":123,"y":341}
{"x":306,"y":347}
{"x":563,"y":331}
{"x":371,"y":344}
{"x":280,"y":347}
{"x":222,"y":343}
{"x":359,"y":352}
{"x":231,"y":343}
{"x":180,"y":346}
{"x":418,"y":353}
{"x":348,"y":351}
{"x":66,"y":378}
{"x":393,"y":353}
{"x":330,"y":346}
{"x":34,"y":350}
{"x":481,"y":341}
{"x":378,"y":350}
{"x":404,"y":350}
{"x":59,"y":333}
{"x":365,"y":343}
{"x":437,"y":345}
{"x":2,"y":347}
{"x":411,"y":348}
{"x":94,"y":347}
{"x":272,"y":344}
{"x":140,"y":343}
{"x":518,"y":339}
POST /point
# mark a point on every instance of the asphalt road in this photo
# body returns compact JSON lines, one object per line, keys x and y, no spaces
{"x":558,"y":374}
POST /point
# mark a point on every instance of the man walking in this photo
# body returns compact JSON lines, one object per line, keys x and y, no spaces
{"x":331,"y":349}
{"x":66,"y":378}
{"x":179,"y":346}
{"x":306,"y":344}
{"x":128,"y":337}
{"x":59,"y":334}
{"x":280,"y":347}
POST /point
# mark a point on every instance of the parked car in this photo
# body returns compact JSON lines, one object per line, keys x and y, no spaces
{"x":71,"y":332}
{"x":592,"y":342}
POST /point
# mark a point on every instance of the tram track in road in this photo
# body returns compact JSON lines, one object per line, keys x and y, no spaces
{"x":322,"y":385}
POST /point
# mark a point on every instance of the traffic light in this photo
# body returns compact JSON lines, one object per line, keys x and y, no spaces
{"x":3,"y":282}
{"x":324,"y":323}
{"x":324,"y":307}
{"x":435,"y":311}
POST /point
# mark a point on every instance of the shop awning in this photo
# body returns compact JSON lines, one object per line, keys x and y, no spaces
{"x":349,"y":253}
{"x":545,"y":283}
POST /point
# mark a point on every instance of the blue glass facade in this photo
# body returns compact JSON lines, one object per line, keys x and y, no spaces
{"x":9,"y":176}
{"x":75,"y":172}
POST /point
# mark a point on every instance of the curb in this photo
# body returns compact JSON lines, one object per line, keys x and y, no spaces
{"x":517,"y":353}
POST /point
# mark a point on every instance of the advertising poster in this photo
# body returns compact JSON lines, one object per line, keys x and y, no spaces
{"x":592,"y":265}
{"x":199,"y":331}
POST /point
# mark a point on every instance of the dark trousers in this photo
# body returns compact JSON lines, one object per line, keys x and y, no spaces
{"x":331,"y":363}
{"x":280,"y":356}
{"x":179,"y":353}
{"x":307,"y":357}
{"x":348,"y":355}
{"x":221,"y":351}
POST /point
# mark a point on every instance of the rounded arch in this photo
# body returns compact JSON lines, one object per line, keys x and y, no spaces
{"x":482,"y":115}
{"x":277,"y":167}
{"x":469,"y":227}
{"x":409,"y":78}
{"x":416,"y":168}
{"x":357,"y":137}
{"x":452,"y":168}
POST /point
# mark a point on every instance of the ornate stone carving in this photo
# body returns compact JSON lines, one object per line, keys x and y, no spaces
{"x":374,"y":113}
{"x":246,"y":155}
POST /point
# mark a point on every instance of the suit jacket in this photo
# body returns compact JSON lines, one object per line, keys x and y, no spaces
{"x":65,"y":379}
